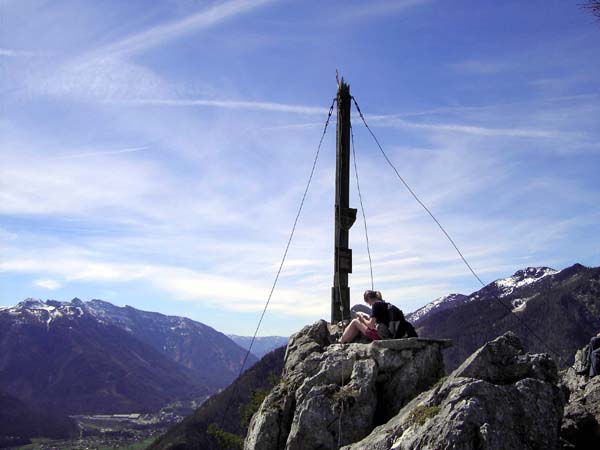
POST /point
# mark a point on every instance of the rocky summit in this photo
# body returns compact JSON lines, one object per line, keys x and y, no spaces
{"x":335,"y":394}
{"x":384,"y":396}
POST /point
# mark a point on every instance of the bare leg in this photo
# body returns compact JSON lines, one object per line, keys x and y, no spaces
{"x":352,"y":330}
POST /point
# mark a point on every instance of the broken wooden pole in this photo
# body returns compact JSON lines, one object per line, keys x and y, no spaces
{"x":344,"y":215}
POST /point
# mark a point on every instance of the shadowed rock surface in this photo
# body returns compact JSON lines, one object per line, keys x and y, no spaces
{"x":329,"y":387}
{"x":580,"y":428}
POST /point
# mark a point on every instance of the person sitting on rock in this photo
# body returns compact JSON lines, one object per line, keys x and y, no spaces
{"x":368,"y":325}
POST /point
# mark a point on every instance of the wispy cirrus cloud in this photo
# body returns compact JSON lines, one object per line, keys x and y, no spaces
{"x":107,"y":72}
{"x":475,"y":130}
{"x":209,"y":17}
{"x":101,"y":152}
{"x":389,"y":120}
{"x":233,"y":104}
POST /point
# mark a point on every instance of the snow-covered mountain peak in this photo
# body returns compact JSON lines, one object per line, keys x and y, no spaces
{"x":46,"y":311}
{"x":522,"y":278}
{"x":36,"y":309}
{"x":31,"y":303}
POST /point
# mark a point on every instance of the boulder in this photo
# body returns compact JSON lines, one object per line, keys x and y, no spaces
{"x":335,"y":394}
{"x":499,"y":398}
{"x":581,"y":421}
{"x":503,"y":361}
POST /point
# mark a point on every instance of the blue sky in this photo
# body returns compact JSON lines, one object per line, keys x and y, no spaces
{"x":154,"y":153}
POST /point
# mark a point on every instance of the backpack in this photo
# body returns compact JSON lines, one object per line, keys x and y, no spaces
{"x":399,"y":327}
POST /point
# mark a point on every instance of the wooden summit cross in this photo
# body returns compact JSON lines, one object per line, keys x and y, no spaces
{"x":344,"y":215}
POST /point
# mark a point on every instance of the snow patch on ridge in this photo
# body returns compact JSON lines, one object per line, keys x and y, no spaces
{"x":42,"y":311}
{"x":522,"y":278}
{"x":519,"y":304}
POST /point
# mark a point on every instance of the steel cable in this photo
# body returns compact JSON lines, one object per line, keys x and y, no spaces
{"x":556,"y":354}
{"x":312,"y":171}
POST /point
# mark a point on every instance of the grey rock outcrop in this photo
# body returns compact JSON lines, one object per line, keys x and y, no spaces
{"x":499,"y":398}
{"x":333,"y":394}
{"x":580,"y":428}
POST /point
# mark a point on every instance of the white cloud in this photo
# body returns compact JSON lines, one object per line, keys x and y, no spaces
{"x":177,"y":283}
{"x":72,"y":187}
{"x":207,"y":18}
{"x":49,"y":284}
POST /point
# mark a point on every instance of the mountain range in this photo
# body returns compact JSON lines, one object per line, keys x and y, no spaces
{"x":551,"y":311}
{"x":64,"y":358}
{"x":61,"y":358}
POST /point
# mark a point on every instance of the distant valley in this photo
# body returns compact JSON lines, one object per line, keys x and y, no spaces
{"x":67,"y":358}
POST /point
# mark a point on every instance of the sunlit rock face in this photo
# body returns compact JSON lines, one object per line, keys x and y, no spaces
{"x":384,"y":396}
{"x":335,"y":394}
{"x":499,"y":398}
